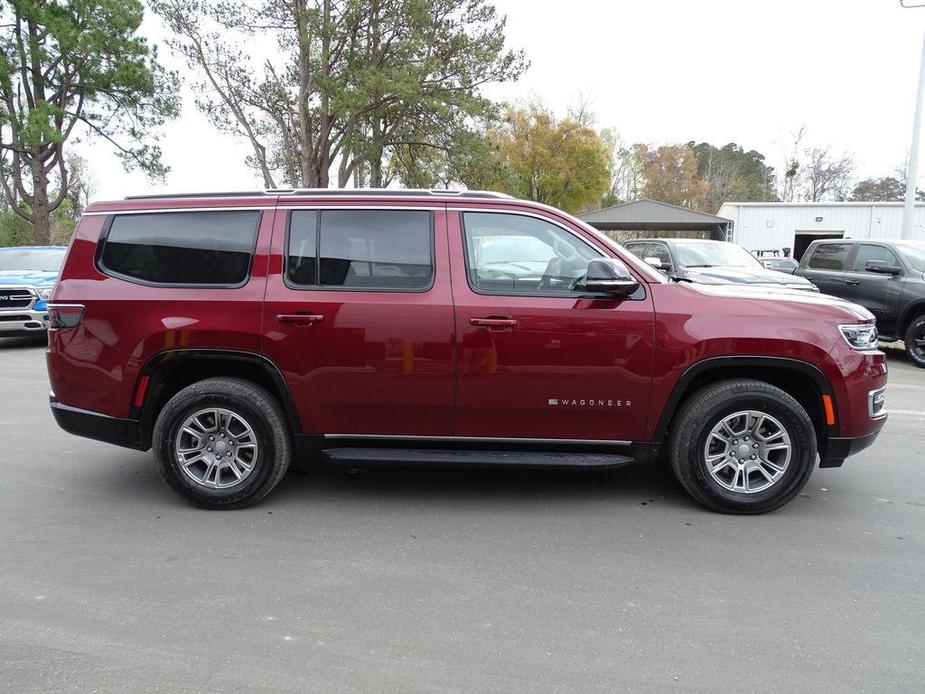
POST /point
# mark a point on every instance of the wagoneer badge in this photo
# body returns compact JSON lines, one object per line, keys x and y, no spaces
{"x":591,"y":402}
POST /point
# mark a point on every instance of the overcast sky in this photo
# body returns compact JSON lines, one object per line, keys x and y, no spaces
{"x":659,"y":71}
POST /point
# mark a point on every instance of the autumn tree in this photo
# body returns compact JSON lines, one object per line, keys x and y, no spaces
{"x":560,"y":162}
{"x":352,"y":84}
{"x":68,"y":69}
{"x":670,"y":174}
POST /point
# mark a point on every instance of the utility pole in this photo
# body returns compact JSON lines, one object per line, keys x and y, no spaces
{"x":908,"y":231}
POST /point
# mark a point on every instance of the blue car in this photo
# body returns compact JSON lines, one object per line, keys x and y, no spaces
{"x":27,"y":278}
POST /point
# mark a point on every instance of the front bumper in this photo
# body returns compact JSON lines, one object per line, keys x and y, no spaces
{"x":21,"y":320}
{"x":840,"y":447}
{"x":100,"y":427}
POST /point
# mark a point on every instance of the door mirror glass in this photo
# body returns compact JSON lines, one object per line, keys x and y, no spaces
{"x":609,"y":276}
{"x":882,"y":268}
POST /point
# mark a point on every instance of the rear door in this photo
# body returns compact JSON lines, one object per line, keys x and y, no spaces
{"x":826,"y":266}
{"x":538,"y":359}
{"x":359,"y":318}
{"x":875,"y":291}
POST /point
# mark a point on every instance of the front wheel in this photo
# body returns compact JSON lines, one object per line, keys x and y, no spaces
{"x":222,"y":443}
{"x":915,"y":341}
{"x":742,"y":446}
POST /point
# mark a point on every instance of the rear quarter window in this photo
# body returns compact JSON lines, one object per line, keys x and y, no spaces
{"x":830,"y":256}
{"x":211,"y":248}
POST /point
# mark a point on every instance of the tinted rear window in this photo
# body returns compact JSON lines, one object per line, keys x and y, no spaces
{"x":361,"y":249}
{"x":830,"y":256}
{"x":188,"y":248}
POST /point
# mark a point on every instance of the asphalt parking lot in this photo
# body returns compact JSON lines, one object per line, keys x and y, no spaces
{"x":452,"y":581}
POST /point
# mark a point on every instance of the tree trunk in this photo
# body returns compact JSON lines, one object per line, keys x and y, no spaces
{"x":376,"y":151}
{"x":41,"y":223}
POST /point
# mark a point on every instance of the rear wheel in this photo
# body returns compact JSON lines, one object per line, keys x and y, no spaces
{"x":915,"y":341}
{"x":742,"y":446}
{"x":222,"y":443}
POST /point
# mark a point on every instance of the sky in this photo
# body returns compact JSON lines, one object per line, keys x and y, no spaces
{"x":656,"y":71}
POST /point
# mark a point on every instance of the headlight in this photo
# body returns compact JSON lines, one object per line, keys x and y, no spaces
{"x":861,"y":336}
{"x":44,"y":294}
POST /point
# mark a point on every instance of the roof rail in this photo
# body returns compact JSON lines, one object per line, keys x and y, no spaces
{"x":229,"y":194}
{"x":334,"y":192}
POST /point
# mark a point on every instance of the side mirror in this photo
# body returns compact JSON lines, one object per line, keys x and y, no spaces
{"x":609,"y":276}
{"x":882,"y":268}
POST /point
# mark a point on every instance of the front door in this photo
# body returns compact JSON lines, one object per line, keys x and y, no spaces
{"x":879,"y":293}
{"x":537,"y":358}
{"x":359,"y":318}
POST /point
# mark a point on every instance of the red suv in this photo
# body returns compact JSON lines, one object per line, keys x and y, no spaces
{"x":233,"y":332}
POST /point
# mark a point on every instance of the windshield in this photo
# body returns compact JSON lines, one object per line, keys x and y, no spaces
{"x":914,"y":253}
{"x":714,"y":254}
{"x":44,"y":260}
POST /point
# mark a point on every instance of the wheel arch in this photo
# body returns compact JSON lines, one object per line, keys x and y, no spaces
{"x":170,"y":371}
{"x":805,"y":382}
{"x":915,"y":309}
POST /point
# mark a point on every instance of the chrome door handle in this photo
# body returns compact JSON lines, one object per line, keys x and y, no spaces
{"x":853,"y":282}
{"x":493,"y":322}
{"x":300,"y":318}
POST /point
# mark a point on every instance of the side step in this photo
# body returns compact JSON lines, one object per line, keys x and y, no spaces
{"x":465,"y":458}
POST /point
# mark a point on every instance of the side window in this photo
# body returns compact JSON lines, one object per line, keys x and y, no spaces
{"x":830,"y":256}
{"x":640,"y":250}
{"x":660,"y":251}
{"x":183,"y":248}
{"x":511,"y":253}
{"x":302,"y":253}
{"x":361,"y":249}
{"x":867,"y":252}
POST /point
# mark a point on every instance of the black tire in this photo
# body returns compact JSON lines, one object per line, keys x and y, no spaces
{"x":266,"y":419}
{"x":916,"y":331}
{"x":705,"y":409}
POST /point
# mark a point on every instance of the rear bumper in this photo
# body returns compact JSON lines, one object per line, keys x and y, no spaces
{"x":840,"y":447}
{"x":100,"y":427}
{"x":23,"y":321}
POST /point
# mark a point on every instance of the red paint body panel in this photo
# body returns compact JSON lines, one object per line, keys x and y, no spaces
{"x":378,"y":362}
{"x":570,"y":369}
{"x":410,"y":363}
{"x":96,"y":365}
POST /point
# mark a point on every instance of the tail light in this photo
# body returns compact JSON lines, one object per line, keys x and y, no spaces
{"x":64,"y":315}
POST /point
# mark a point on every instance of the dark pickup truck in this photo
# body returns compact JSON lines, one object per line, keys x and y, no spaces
{"x":885,"y":277}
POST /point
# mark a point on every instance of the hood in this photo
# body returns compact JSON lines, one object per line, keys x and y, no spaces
{"x":843,"y":310}
{"x":28,"y":278}
{"x":741,"y":275}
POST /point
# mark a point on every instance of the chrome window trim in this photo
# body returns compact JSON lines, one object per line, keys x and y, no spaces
{"x":192,"y":208}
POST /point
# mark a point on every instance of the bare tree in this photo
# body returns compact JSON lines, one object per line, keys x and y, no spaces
{"x":790,"y":184}
{"x":826,"y":175}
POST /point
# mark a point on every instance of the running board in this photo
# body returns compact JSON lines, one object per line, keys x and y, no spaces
{"x":465,"y":458}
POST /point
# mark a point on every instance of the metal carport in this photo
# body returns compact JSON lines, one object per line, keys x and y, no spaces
{"x":651,"y":218}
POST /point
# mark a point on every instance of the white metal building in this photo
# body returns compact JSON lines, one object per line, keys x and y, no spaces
{"x":793,"y":225}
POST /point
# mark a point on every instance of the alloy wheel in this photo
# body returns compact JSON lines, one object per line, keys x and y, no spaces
{"x":216,"y":448}
{"x":748,"y":451}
